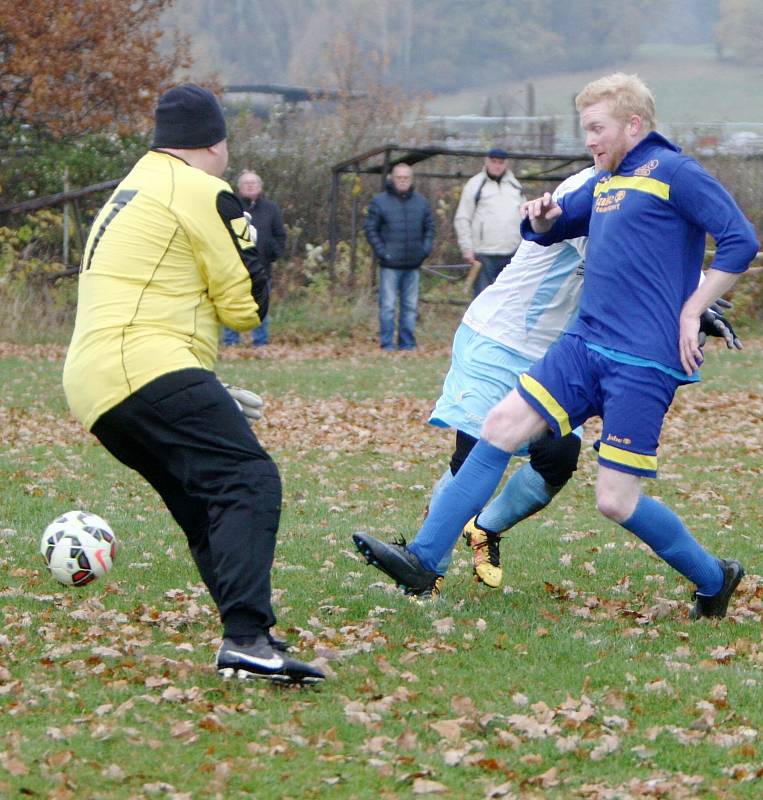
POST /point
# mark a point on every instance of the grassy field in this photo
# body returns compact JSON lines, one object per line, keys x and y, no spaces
{"x":689,"y":83}
{"x":581,"y":677}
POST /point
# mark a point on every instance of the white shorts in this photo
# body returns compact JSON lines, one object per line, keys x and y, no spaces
{"x":482,"y":372}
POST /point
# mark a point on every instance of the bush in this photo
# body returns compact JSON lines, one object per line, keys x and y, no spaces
{"x":743,"y":177}
{"x":33,"y":164}
{"x":37,"y":304}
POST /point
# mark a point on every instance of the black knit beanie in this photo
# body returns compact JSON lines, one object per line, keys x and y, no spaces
{"x":188,"y":117}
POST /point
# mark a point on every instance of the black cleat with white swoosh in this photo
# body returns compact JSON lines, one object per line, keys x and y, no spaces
{"x":258,"y":658}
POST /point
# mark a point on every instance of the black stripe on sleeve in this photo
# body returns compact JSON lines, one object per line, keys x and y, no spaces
{"x":232,"y":214}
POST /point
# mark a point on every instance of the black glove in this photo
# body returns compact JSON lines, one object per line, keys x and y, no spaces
{"x":712,"y":322}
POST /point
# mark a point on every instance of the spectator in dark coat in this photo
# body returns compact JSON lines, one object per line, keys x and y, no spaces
{"x":271,"y":241}
{"x":400,"y":229}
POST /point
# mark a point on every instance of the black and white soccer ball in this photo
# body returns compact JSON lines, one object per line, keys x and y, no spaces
{"x":78,"y":547}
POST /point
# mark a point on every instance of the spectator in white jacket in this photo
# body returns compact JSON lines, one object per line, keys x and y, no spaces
{"x":487,"y":219}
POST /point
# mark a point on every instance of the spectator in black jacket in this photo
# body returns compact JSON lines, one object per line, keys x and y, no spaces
{"x":271,"y":241}
{"x":400,"y":229}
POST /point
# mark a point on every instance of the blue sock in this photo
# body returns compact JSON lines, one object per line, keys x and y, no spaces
{"x":445,"y":480}
{"x":525,"y":493}
{"x":662,"y":529}
{"x":458,"y":502}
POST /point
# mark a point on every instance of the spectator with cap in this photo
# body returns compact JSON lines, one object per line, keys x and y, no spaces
{"x":487,"y":219}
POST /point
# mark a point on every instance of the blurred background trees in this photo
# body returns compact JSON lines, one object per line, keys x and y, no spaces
{"x":72,"y":67}
{"x":78,"y":82}
{"x":79,"y":79}
{"x":432,"y":45}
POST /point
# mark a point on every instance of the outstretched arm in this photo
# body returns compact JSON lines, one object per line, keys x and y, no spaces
{"x":545,"y":221}
{"x":541,"y":213}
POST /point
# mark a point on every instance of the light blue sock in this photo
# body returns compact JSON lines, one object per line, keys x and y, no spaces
{"x":442,"y":482}
{"x":458,"y":502}
{"x":525,"y":493}
{"x":663,"y":530}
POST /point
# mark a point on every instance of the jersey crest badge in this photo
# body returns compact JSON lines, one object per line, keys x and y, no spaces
{"x":646,"y":169}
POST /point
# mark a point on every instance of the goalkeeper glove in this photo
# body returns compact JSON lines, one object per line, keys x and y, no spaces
{"x":249,"y":403}
{"x":712,"y":322}
{"x":252,"y":229}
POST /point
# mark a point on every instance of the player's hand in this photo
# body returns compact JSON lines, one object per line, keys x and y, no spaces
{"x":248,"y":402}
{"x":541,"y":212}
{"x":689,"y":348}
{"x":712,"y":322}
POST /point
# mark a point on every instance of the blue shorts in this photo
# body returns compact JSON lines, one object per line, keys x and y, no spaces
{"x":572,"y":383}
{"x":482,"y":372}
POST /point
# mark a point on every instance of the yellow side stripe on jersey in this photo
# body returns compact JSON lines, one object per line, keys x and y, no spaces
{"x":649,"y":185}
{"x":542,"y":395}
{"x":627,"y":458}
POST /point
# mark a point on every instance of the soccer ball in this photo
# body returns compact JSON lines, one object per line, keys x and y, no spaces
{"x":78,"y":547}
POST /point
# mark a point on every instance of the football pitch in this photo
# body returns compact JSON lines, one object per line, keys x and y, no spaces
{"x":581,"y":676}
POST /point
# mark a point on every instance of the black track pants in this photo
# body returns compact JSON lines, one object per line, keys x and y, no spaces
{"x":184,"y":434}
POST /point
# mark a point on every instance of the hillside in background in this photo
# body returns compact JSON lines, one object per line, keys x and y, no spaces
{"x":445,"y":46}
{"x":689,"y":82}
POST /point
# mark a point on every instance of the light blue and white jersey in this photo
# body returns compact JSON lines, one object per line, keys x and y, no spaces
{"x":536,"y":296}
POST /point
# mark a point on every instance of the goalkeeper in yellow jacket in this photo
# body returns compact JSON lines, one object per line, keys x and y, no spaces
{"x":170,"y":257}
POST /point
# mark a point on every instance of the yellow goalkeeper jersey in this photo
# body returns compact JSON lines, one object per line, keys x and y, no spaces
{"x":169,"y":257}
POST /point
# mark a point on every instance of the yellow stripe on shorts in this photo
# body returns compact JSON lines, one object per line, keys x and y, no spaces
{"x":541,"y":394}
{"x":628,"y":459}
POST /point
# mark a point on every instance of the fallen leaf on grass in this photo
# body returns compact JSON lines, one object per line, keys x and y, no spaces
{"x":504,"y":791}
{"x":158,"y":788}
{"x":355,"y":712}
{"x":567,"y":744}
{"x":531,"y":727}
{"x":732,"y":738}
{"x":453,"y":758}
{"x":606,"y":745}
{"x":424,"y":786}
{"x":660,"y":686}
{"x":744,"y":772}
{"x":106,"y":652}
{"x":113,"y":772}
{"x":547,"y":779}
{"x":185,"y":730}
{"x":59,"y":759}
{"x":464,"y":706}
{"x":377,"y":744}
{"x":723,"y":655}
{"x":445,"y":625}
{"x":13,"y":765}
{"x":449,"y":729}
